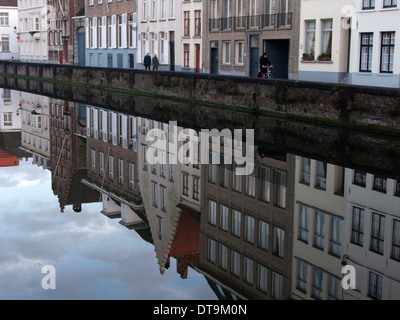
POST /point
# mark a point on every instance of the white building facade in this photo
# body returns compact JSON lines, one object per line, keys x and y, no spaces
{"x":10,"y":112}
{"x":9,"y":46}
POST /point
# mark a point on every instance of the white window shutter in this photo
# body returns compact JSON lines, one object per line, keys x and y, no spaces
{"x":95,"y":33}
{"x":87,"y":32}
{"x":123,"y":31}
{"x":104,"y":32}
{"x":113,"y":32}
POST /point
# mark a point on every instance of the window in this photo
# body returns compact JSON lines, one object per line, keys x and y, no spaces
{"x":310,"y":38}
{"x":5,"y":43}
{"x":4,"y":19}
{"x":154,"y":10}
{"x":319,"y":230}
{"x":212,"y":212}
{"x":321,"y":175}
{"x":172,"y":172}
{"x":7,"y":117}
{"x":262,"y":281}
{"x":120,"y":24}
{"x":235,"y":263}
{"x":249,"y":225}
{"x":375,"y":286}
{"x":186,"y":55}
{"x":368,"y":4}
{"x":172,"y":9}
{"x":305,"y":171}
{"x":159,"y":227}
{"x":326,"y":40}
{"x":377,"y":233}
{"x":396,"y":240}
{"x":336,"y":236}
{"x":163,"y":198}
{"x":145,"y":10}
{"x":154,"y":188}
{"x":265,"y":184}
{"x":120,"y":171}
{"x":186,"y":23}
{"x":248,"y":270}
{"x":367,"y":46}
{"x":185,"y":184}
{"x":380,"y":184}
{"x":144,"y":157}
{"x":111,"y":167}
{"x":93,"y":156}
{"x":334,"y":287}
{"x":101,"y":164}
{"x":223,"y":257}
{"x":251,"y":184}
{"x":263,"y":235}
{"x":224,"y":175}
{"x":163,"y":9}
{"x":317,"y":283}
{"x":387,"y":52}
{"x":224,"y":216}
{"x":397,"y":189}
{"x":237,"y":182}
{"x":7,"y":100}
{"x":239,"y":52}
{"x":389,"y":3}
{"x":109,"y":31}
{"x":303,"y":223}
{"x":131,"y":176}
{"x":163,"y":163}
{"x":212,"y":168}
{"x":277,"y":286}
{"x":360,"y":178}
{"x":357,"y":229}
{"x":278,"y":246}
{"x":301,"y":276}
{"x":236,"y":219}
{"x":226,"y":52}
{"x":211,"y":250}
{"x":280,"y":189}
{"x":196,"y":188}
{"x":197,"y":23}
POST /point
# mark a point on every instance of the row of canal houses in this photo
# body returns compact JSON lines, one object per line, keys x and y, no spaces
{"x":342,"y":41}
{"x":283,"y":232}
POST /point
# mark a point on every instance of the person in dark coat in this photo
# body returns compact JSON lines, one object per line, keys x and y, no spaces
{"x":147,"y":61}
{"x":155,"y":62}
{"x":264,"y":63}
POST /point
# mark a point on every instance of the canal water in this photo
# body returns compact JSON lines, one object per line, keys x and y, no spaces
{"x":87,"y":214}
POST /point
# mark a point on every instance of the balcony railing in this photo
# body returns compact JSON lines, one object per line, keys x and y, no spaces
{"x":256,"y":22}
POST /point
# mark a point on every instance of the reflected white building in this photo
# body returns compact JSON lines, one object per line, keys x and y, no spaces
{"x":9,"y":46}
{"x":10,"y":112}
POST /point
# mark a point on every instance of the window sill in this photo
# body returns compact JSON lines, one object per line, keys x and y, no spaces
{"x":324,"y":62}
{"x":308,"y":61}
{"x":385,"y":74}
{"x":185,"y":37}
{"x":196,"y":37}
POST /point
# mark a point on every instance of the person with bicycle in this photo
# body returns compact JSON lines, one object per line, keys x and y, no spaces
{"x":265,"y":64}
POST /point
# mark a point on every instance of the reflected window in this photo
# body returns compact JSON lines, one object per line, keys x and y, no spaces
{"x":224,"y":175}
{"x":280,"y":189}
{"x":159,"y":227}
{"x":144,"y":157}
{"x":334,"y":288}
{"x":111,"y":167}
{"x":317,"y":283}
{"x":211,"y":250}
{"x":248,"y":270}
{"x":223,"y":257}
{"x":397,"y":189}
{"x":212,"y":169}
{"x":93,"y":158}
{"x":120,"y":171}
{"x":235,"y":263}
{"x":357,"y":229}
{"x":172,"y":172}
{"x":303,"y":223}
{"x":277,"y":286}
{"x":224,"y":212}
{"x":251,"y":184}
{"x":360,"y":178}
{"x":377,"y":233}
{"x":265,"y":184}
{"x":212,"y":212}
{"x":163,"y":164}
{"x":302,"y":276}
{"x":262,"y":276}
{"x":375,"y":286}
{"x":263,"y":236}
{"x":236,"y":223}
{"x":336,"y":236}
{"x":249,"y":234}
{"x":155,"y":194}
{"x":131,"y":175}
{"x":321,"y":175}
{"x":319,"y":230}
{"x":185,"y":184}
{"x":380,"y":184}
{"x":163,"y":198}
{"x":101,"y":164}
{"x":305,"y":171}
{"x":279,"y":242}
{"x":196,"y":188}
{"x":396,"y":240}
{"x":237,"y":181}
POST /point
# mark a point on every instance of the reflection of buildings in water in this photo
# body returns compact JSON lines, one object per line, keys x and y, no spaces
{"x":318,"y":226}
{"x":35,"y":127}
{"x":68,"y":158}
{"x":372,"y":235}
{"x":10,"y":115}
{"x":246,"y":229}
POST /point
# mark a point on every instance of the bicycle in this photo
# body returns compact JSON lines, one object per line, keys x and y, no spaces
{"x":267,"y":74}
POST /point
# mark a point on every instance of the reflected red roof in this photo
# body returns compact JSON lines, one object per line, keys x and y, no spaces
{"x":8,"y":160}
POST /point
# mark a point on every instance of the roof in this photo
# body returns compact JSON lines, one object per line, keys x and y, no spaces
{"x":8,"y":3}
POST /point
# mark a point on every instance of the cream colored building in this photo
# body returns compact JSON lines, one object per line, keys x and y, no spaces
{"x":325,"y":29}
{"x":10,"y":113}
{"x":318,"y":226}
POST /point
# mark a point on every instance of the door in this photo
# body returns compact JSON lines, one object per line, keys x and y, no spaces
{"x":131,"y":60}
{"x":109,"y":60}
{"x":172,"y":51}
{"x":120,"y":60}
{"x":214,"y":61}
{"x":278,"y":54}
{"x":254,"y":55}
{"x":81,"y":48}
{"x":60,"y":57}
{"x":197,"y":58}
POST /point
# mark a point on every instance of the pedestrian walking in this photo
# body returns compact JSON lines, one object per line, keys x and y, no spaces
{"x":147,"y":61}
{"x":155,"y":62}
